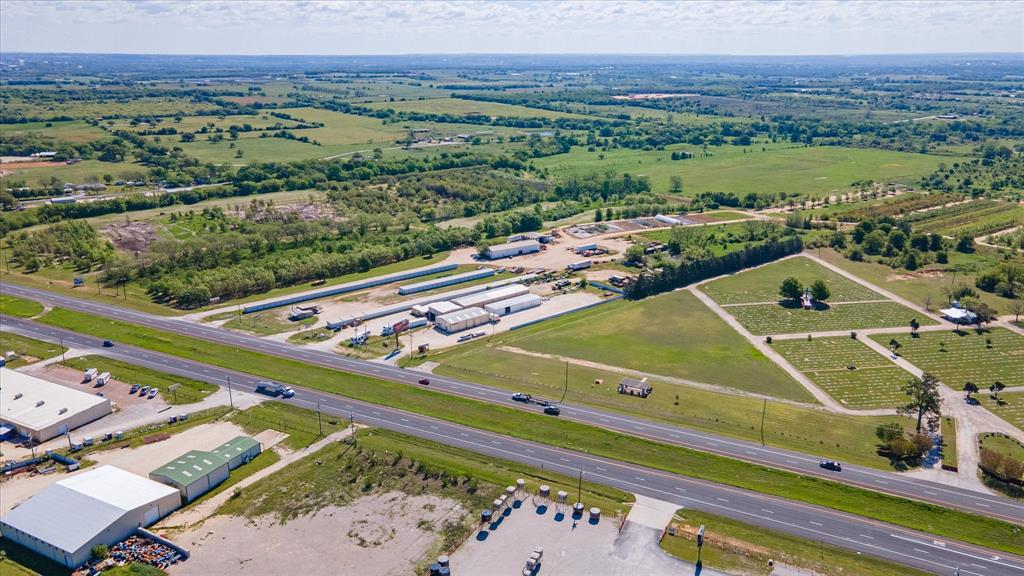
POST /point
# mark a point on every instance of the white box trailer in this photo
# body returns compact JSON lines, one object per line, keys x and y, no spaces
{"x":102,"y":379}
{"x":581,"y":265}
{"x":89,"y":374}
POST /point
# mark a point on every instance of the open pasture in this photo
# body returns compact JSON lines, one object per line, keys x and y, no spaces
{"x":763,"y":319}
{"x":462,"y":107}
{"x":762,"y":284}
{"x":797,"y":171}
{"x":875,"y":382}
{"x":995,"y":354}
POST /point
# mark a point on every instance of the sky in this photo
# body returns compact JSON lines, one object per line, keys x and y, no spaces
{"x":784,"y":27}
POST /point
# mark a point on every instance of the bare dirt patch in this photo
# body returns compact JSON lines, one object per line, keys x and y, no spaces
{"x":917,"y":275}
{"x":131,"y":236}
{"x":382,"y":534}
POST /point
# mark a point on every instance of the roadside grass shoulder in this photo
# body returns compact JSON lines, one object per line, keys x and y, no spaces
{"x":300,"y":424}
{"x":14,"y":306}
{"x":942,"y":521}
{"x":29,"y":350}
{"x":948,"y":430}
{"x":191,"y":391}
{"x":740,"y":548}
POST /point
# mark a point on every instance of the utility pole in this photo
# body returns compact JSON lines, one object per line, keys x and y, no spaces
{"x":566,"y":389}
{"x":319,"y":420}
{"x":352,"y":427}
{"x":764,"y":409}
{"x":231,"y":400}
{"x":63,"y":356}
{"x":579,"y":487}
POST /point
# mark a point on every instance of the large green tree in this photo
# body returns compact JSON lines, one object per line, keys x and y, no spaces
{"x":925,"y":402}
{"x":791,"y":289}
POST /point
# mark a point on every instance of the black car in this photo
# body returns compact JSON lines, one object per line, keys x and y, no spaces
{"x":108,"y":343}
{"x":521,"y":397}
{"x":831,"y":465}
{"x":552,"y":410}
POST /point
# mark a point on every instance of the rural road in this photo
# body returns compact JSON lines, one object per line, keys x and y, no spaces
{"x":907,"y":547}
{"x":987,"y":504}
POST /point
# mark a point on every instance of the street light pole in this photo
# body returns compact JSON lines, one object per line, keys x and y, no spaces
{"x":566,"y":389}
{"x":231,"y":400}
{"x":579,"y":487}
{"x":764,"y":409}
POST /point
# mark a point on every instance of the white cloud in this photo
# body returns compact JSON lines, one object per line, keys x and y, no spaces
{"x":476,"y":26}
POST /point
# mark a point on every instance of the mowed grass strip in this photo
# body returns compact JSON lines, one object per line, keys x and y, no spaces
{"x":763,"y":319}
{"x":28,"y":350}
{"x":785,"y":425}
{"x":672,"y":334}
{"x":740,"y":548}
{"x":762,"y":284}
{"x":14,"y":306}
{"x":536,"y":427}
{"x":982,"y":358}
{"x":855,"y":375}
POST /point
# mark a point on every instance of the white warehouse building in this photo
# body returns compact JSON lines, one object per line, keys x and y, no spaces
{"x":488,"y":296}
{"x":513,"y":305}
{"x":100,"y":506}
{"x":463,"y":320}
{"x":41,"y":410}
{"x":511,"y":249}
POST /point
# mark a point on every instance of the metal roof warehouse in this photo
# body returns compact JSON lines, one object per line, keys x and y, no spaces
{"x":193,"y":473}
{"x":41,"y":410}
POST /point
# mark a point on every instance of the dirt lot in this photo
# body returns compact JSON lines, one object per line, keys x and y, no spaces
{"x":141,"y":460}
{"x":381,"y":535}
{"x":131,"y":236}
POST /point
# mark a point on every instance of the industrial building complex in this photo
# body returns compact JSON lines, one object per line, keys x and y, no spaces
{"x":463,"y":320}
{"x":99,"y":506}
{"x":41,"y":410}
{"x":196,"y":472}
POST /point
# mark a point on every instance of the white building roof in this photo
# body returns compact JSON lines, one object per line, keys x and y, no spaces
{"x":532,"y":244}
{"x":443,"y":307}
{"x":462,"y":315}
{"x":23,"y":410}
{"x":70,"y":513}
{"x":522,"y":299}
{"x":488,"y":296}
{"x":957,"y":314}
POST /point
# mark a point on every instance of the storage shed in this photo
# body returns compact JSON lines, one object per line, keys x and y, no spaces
{"x":511,"y":249}
{"x":633,"y":387}
{"x":100,"y":506}
{"x":463,"y":320}
{"x":239,"y":450}
{"x":42,"y":410}
{"x":436,"y":309}
{"x":488,"y":296}
{"x":194,"y":473}
{"x":513,"y":305}
{"x":445,"y":281}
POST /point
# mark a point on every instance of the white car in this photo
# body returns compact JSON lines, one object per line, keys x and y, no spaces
{"x":153,"y":392}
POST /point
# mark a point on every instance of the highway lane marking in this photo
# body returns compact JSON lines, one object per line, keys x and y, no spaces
{"x":680,"y":489}
{"x":495,"y":442}
{"x":565,"y":460}
{"x":601,"y":469}
{"x":994,"y":559}
{"x":639,"y":478}
{"x":982,"y":505}
{"x":866,"y":536}
{"x":815,"y":523}
{"x":930,"y":492}
{"x":939,"y":543}
{"x":881,"y":481}
{"x":767,"y":511}
{"x":722,"y":499}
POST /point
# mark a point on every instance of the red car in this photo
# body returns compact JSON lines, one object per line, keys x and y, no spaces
{"x":425,"y":382}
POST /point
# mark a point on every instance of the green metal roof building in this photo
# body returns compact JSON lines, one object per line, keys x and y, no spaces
{"x":238,"y":451}
{"x":193,"y":473}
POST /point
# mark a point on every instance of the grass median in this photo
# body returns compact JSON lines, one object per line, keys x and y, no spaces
{"x":937,"y":520}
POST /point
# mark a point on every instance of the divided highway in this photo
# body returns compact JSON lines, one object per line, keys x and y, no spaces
{"x":907,"y":547}
{"x":864,"y":477}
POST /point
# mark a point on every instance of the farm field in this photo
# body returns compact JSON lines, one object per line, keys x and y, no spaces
{"x":786,"y":425}
{"x":671,"y":335}
{"x":764,"y":319}
{"x":810,"y":171}
{"x":115,"y":104}
{"x":762,"y":284}
{"x":976,"y":218}
{"x":86,"y":171}
{"x":955,"y":359}
{"x":74,"y":131}
{"x":875,"y":383}
{"x":464,"y":107}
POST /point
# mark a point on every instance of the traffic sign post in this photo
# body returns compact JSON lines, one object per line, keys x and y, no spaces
{"x":700,"y":542}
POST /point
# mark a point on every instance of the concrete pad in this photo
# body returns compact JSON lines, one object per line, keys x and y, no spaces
{"x":651,"y":513}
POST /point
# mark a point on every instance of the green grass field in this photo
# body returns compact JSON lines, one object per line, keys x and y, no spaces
{"x":956,"y":359}
{"x":740,"y":548}
{"x":1010,"y":406}
{"x":14,"y":306}
{"x":811,"y":171}
{"x":73,"y":131}
{"x":300,"y":424}
{"x":762,"y":284}
{"x":29,"y":350}
{"x":267,"y":322}
{"x":512,"y":422}
{"x":1002,"y":444}
{"x":949,"y":454}
{"x":83,"y":172}
{"x":762,"y":319}
{"x":190,"y":391}
{"x":672,"y":335}
{"x":463,"y":107}
{"x":875,"y":383}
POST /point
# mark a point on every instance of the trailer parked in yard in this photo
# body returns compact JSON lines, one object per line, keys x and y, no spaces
{"x":102,"y":379}
{"x":90,"y":374}
{"x":345,"y":322}
{"x":581,"y":265}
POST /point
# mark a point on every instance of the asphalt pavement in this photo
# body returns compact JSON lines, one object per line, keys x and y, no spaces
{"x":906,"y":547}
{"x":987,"y":504}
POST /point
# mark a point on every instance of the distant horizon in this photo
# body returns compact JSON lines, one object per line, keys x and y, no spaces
{"x":551,"y":54}
{"x":452,"y":27}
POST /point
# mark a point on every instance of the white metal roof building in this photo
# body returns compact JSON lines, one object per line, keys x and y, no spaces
{"x":513,"y":305}
{"x":463,"y":320}
{"x":99,"y":506}
{"x":435,"y":309}
{"x":41,"y":410}
{"x":510,"y":249}
{"x":488,"y":296}
{"x":445,"y":281}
